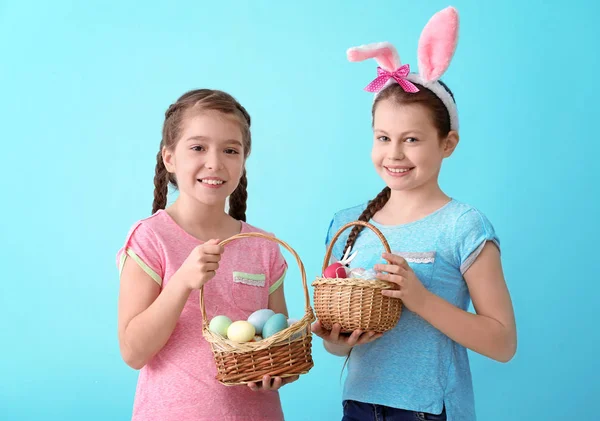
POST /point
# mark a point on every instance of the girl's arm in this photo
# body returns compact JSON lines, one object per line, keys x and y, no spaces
{"x":147,"y":316}
{"x":490,"y":332}
{"x":277,"y":301}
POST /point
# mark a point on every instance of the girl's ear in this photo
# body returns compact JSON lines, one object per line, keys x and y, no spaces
{"x":168,"y":159}
{"x":450,"y":143}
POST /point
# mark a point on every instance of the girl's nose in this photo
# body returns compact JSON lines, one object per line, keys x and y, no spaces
{"x":397,"y":155}
{"x":397,"y":152}
{"x":213,"y":161}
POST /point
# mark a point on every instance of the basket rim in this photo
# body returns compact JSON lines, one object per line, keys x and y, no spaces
{"x":354,"y":282}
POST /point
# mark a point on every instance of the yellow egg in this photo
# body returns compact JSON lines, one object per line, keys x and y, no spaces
{"x":241,"y":331}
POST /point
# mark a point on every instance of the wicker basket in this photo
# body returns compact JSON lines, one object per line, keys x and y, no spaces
{"x":355,"y":303}
{"x":285,"y":354}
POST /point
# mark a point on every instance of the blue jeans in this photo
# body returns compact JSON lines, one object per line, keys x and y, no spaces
{"x":359,"y":411}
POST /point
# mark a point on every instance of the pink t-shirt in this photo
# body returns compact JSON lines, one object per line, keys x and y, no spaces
{"x":179,"y":382}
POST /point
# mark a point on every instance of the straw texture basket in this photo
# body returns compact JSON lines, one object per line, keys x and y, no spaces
{"x":285,"y":354}
{"x":355,"y":303}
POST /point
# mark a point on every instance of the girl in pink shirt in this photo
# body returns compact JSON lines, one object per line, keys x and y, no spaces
{"x":167,"y":257}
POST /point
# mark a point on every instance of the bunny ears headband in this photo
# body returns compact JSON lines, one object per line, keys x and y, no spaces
{"x":436,"y":48}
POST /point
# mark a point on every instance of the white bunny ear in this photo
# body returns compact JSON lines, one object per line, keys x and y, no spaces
{"x":384,"y":53}
{"x":351,"y":258}
{"x":346,"y":254}
{"x":437,"y":44}
{"x":347,"y":257}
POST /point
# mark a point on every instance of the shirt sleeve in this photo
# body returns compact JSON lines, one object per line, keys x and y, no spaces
{"x":472,"y":231}
{"x":337,"y":251}
{"x":143,"y":247}
{"x":277,"y":270}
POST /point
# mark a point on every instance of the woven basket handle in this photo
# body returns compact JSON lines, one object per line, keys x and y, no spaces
{"x":205,"y":321}
{"x":342,"y":229}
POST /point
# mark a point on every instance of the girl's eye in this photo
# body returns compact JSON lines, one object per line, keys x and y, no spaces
{"x":197,"y":148}
{"x":411,"y":140}
{"x":383,"y":139}
{"x":231,"y":152}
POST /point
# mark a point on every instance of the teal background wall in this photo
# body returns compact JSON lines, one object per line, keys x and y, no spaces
{"x":83,"y":89}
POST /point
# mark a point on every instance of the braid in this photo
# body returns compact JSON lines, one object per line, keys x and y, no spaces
{"x":237,"y":200}
{"x":174,"y":110}
{"x":244,"y":113}
{"x":161,"y":182}
{"x":373,"y":207}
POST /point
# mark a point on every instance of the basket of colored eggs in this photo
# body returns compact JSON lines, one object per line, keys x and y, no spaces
{"x":354,"y":303}
{"x":266,"y":344}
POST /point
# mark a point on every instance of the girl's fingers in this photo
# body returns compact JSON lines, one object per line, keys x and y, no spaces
{"x":266,"y":382}
{"x":277,"y":383}
{"x":354,"y":338}
{"x":393,"y":293}
{"x":335,"y":333}
{"x":398,"y":280}
{"x":211,"y":267}
{"x":387,"y":268}
{"x":396,"y":260}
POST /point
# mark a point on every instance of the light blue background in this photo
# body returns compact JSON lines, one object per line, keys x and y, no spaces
{"x":83,"y":89}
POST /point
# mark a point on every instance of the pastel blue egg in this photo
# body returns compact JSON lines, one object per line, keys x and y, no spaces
{"x":276,"y":323}
{"x":259,"y":318}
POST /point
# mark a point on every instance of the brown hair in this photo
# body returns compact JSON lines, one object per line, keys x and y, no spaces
{"x":440,"y":119}
{"x":201,"y":99}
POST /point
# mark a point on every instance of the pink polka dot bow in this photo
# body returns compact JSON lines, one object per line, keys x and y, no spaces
{"x":399,"y":75}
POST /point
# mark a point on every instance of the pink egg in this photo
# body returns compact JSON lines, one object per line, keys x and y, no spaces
{"x":335,"y":270}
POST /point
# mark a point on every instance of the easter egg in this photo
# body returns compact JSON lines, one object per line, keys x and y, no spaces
{"x":292,"y":321}
{"x":259,"y":318}
{"x":241,"y":331}
{"x":219,"y":325}
{"x":257,"y":338}
{"x":335,"y":270}
{"x":276,"y":323}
